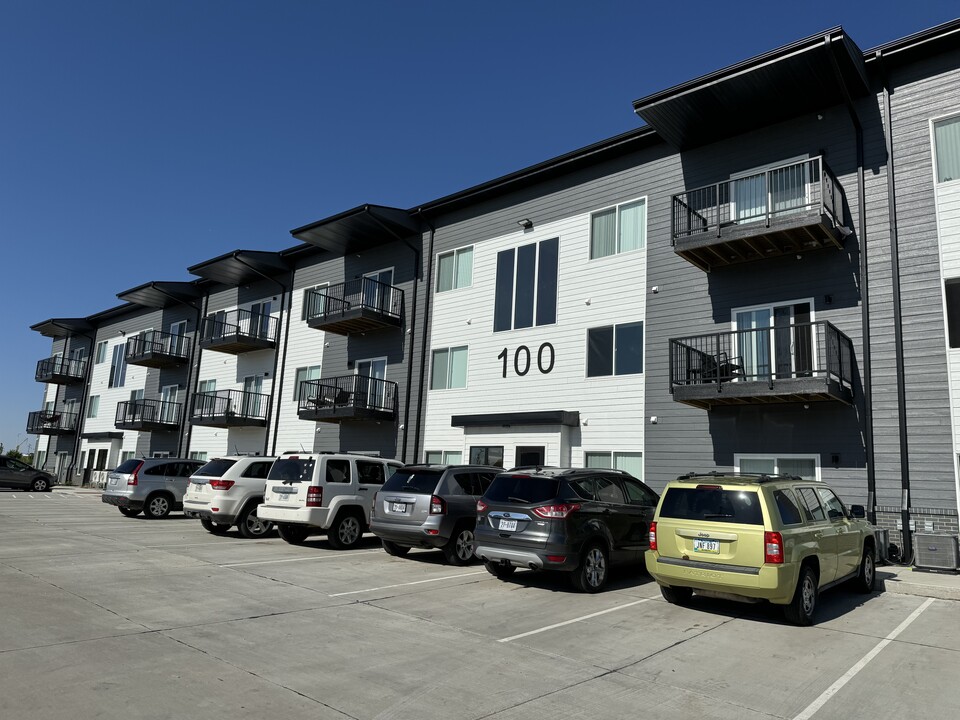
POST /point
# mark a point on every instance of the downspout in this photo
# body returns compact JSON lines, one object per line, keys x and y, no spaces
{"x":199,"y":359}
{"x":276,"y":356}
{"x":426,"y":326}
{"x":864,"y":292}
{"x":417,"y":272}
{"x":897,"y":320}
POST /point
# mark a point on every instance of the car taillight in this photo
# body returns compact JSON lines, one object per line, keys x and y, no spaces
{"x":132,"y":480}
{"x":314,"y":496}
{"x":437,"y":506}
{"x":653,"y":536}
{"x":222,"y":484}
{"x":556,"y":511}
{"x":773,"y":548}
{"x":481,"y":506}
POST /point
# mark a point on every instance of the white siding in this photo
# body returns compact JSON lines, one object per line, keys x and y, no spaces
{"x":948,"y":218}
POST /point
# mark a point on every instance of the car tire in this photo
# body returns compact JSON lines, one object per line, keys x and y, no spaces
{"x":676,"y":595}
{"x":346,"y":531}
{"x":393,"y":549}
{"x":251,"y":527}
{"x":40,"y":485}
{"x":500,"y":570}
{"x":459,"y":548}
{"x":866,"y":579}
{"x":292,"y":533}
{"x":157,"y":506}
{"x":128,"y":512}
{"x":212,"y":527}
{"x":594,"y":570}
{"x":803,"y":606}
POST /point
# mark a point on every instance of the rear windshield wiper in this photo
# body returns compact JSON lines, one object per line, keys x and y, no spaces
{"x":707,"y":516}
{"x":517,"y":500}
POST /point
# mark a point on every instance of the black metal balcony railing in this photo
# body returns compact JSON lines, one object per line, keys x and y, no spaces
{"x":51,"y":422}
{"x":61,"y":371}
{"x":788,"y":208}
{"x":148,"y":415}
{"x":238,"y":331}
{"x":349,"y":397}
{"x":797,"y":362}
{"x":357,"y":305}
{"x":230,"y":408}
{"x":158,"y":349}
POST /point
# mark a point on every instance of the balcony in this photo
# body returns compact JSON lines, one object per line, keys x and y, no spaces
{"x":346,"y":398}
{"x":355,"y":306}
{"x":148,"y":415}
{"x":52,"y":422}
{"x":61,"y":371}
{"x":157,"y":349}
{"x":787,"y":209}
{"x":795,"y":363}
{"x":238,"y":331}
{"x":230,"y":408}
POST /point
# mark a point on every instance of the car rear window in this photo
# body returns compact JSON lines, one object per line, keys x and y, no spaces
{"x":522,"y":489}
{"x":129,"y":466}
{"x":713,"y":504}
{"x":420,"y":482}
{"x":215,"y":468}
{"x":292,"y":470}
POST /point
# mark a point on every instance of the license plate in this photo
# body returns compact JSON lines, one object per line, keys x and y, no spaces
{"x":707,"y":546}
{"x":508,"y":525}
{"x":283,"y":497}
{"x":398,"y":507}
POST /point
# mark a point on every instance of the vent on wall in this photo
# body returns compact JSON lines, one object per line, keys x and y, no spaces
{"x":935,"y":552}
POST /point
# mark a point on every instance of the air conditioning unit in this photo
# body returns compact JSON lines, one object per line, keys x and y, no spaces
{"x":935,"y":552}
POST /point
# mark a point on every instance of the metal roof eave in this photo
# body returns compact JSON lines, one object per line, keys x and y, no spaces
{"x":358,"y":229}
{"x":161,"y":294}
{"x":241,"y":267}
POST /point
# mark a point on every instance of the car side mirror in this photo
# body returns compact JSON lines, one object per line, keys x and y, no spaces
{"x":858,"y":512}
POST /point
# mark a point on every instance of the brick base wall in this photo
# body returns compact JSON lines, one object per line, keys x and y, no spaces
{"x":925,"y":520}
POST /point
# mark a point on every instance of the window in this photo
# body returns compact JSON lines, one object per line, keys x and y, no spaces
{"x":455,"y":269}
{"x":811,"y":506}
{"x":774,"y":339}
{"x":951,"y":290}
{"x":314,"y":302}
{"x":338,"y":471}
{"x":609,"y":491}
{"x":93,"y":406}
{"x":101,"y":355}
{"x":207,"y":386}
{"x":787,"y":507}
{"x":257,"y":470}
{"x":202,"y":456}
{"x":303,"y":375}
{"x":835,"y":509}
{"x":629,"y":462}
{"x":492,"y":456}
{"x":41,"y":459}
{"x":638,"y":493}
{"x":618,"y":229}
{"x":370,"y":473}
{"x":946,"y":137}
{"x":615,"y":350}
{"x":118,"y":367}
{"x":449,"y":369}
{"x":526,"y":290}
{"x":803,"y":466}
{"x":126,"y":455}
{"x":443,"y":457}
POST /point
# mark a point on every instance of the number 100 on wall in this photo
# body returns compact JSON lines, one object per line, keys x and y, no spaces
{"x":523,"y":359}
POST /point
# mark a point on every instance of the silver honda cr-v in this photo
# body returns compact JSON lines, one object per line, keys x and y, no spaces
{"x":153,"y":485}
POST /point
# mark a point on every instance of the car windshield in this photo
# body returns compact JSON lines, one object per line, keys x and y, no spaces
{"x":291,"y":470}
{"x":418,"y":481}
{"x":522,"y":489}
{"x":215,"y":468}
{"x":712,"y":503}
{"x":129,"y":466}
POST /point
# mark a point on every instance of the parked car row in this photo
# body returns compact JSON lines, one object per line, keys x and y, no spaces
{"x":745,"y":537}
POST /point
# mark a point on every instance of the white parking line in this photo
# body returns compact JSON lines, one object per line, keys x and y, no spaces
{"x":575,"y":620}
{"x":315,"y":557}
{"x":813,"y":707}
{"x":415,"y":582}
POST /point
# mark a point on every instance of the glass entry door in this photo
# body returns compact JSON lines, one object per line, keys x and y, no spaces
{"x":775,"y":341}
{"x":168,"y":403}
{"x":374,"y":388}
{"x":378,"y":294}
{"x":252,"y":398}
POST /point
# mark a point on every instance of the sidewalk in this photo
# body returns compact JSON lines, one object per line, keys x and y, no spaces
{"x":909,"y":581}
{"x":75,"y":490}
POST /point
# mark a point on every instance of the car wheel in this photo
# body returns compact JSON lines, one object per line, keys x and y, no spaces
{"x":157,"y":506}
{"x":128,"y":512}
{"x":40,"y":485}
{"x":500,"y":570}
{"x":866,"y":578}
{"x":346,"y":531}
{"x":459,"y":549}
{"x":252,"y":527}
{"x":215,"y":528}
{"x":676,"y":595}
{"x":293,"y":534}
{"x":592,"y":573}
{"x":801,"y":609}
{"x":394,"y":549}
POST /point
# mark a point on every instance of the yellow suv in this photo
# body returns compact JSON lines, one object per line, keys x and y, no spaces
{"x":758,"y":537}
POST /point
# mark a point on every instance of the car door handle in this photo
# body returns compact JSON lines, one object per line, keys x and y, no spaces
{"x":818,"y":534}
{"x":363,"y":489}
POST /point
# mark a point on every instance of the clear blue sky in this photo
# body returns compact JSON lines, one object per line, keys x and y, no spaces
{"x":138,"y":137}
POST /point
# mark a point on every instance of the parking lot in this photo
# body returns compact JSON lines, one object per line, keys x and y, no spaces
{"x":106,"y":616}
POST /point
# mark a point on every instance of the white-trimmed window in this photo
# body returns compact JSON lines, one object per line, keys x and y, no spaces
{"x":443,"y":457}
{"x":449,"y":368}
{"x":455,"y":269}
{"x":619,"y":229}
{"x":303,"y":375}
{"x":629,"y":462}
{"x":101,"y":355}
{"x":93,"y":406}
{"x":804,"y":466}
{"x":946,"y":139}
{"x":314,"y":305}
{"x":41,"y":459}
{"x":526,"y":286}
{"x":615,"y":350}
{"x":126,"y":455}
{"x":207,"y":386}
{"x":198,"y":455}
{"x":118,"y":367}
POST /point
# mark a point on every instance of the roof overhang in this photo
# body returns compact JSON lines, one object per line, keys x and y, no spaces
{"x":358,"y":229}
{"x":159,"y":294}
{"x":63,"y":327}
{"x":102,"y":435}
{"x":242,"y":267}
{"x":813,"y":73}
{"x":570,"y":418}
{"x":926,"y":43}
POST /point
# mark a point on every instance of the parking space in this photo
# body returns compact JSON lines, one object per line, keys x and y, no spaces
{"x":127,"y":617}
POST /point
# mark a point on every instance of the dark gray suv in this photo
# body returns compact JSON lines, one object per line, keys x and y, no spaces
{"x":431,"y":506}
{"x":17,"y":474}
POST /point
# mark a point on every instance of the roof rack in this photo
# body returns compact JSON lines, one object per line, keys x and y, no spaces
{"x":759,"y":477}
